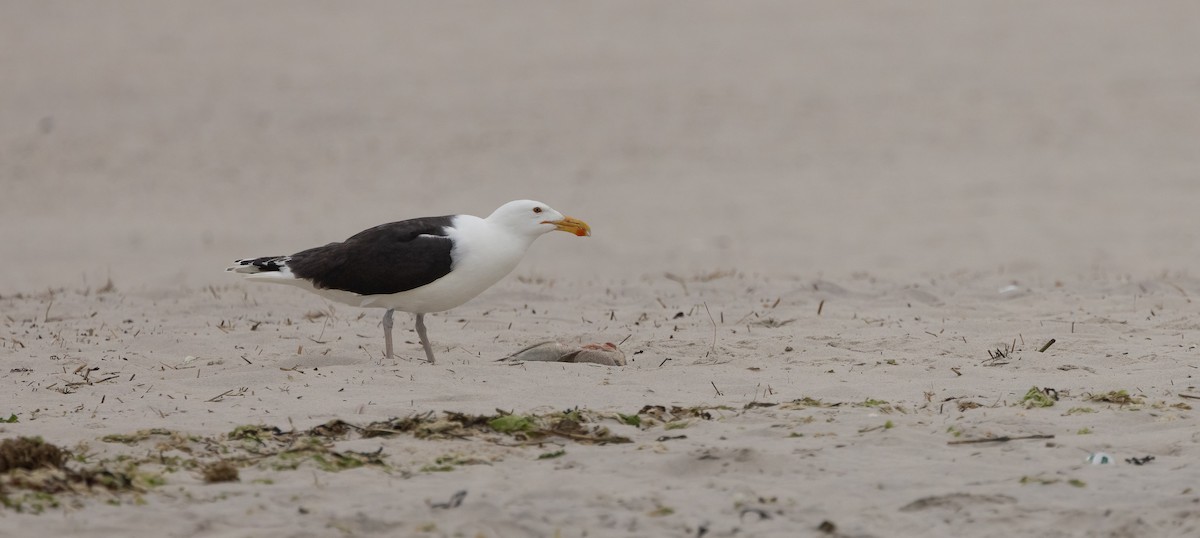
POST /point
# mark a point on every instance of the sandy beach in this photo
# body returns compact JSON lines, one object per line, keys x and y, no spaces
{"x":877,"y":270}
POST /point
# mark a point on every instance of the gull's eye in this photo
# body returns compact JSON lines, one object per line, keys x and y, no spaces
{"x":537,"y":210}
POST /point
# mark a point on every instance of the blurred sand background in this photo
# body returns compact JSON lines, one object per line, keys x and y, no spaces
{"x":153,"y":141}
{"x":901,"y":162}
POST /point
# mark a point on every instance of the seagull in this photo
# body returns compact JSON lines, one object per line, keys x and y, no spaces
{"x":422,"y":265}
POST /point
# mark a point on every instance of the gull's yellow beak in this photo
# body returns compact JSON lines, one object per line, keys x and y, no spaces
{"x":572,"y":225}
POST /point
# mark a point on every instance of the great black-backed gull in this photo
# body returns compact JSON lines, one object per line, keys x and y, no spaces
{"x":419,"y":265}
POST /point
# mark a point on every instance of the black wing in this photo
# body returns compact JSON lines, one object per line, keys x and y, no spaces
{"x":389,"y":258}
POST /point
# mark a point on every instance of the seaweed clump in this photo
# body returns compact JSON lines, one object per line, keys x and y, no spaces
{"x":30,"y":453}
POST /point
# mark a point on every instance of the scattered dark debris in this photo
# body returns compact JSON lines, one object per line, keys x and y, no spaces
{"x":762,"y":514}
{"x":806,"y":401}
{"x":455,"y":501}
{"x":1119,"y":397}
{"x":108,"y":287}
{"x":752,"y":405}
{"x":1001,"y":439}
{"x":665,"y":438}
{"x":1001,"y":355}
{"x":221,"y":471}
{"x":552,"y":455}
{"x":1140,"y":461}
{"x":827,"y":527}
{"x":675,"y":413}
{"x":964,"y":405}
{"x":771,"y":323}
{"x":577,"y":425}
{"x":42,"y":470}
{"x":956,"y":501}
{"x":30,"y":453}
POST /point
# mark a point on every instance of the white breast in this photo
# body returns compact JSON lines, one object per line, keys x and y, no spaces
{"x":483,"y":254}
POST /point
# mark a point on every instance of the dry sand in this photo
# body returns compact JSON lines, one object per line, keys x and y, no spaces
{"x":869,"y":200}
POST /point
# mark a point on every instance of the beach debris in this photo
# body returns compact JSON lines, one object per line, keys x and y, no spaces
{"x":30,"y":453}
{"x":512,"y":423}
{"x":1001,"y":439}
{"x":762,"y":514}
{"x":1046,"y":346}
{"x":33,"y":472}
{"x":1119,"y":397}
{"x":1037,"y":397}
{"x":455,"y":501}
{"x":1069,"y":367}
{"x":956,"y":502}
{"x":1001,"y":355}
{"x":1010,"y":291}
{"x":552,"y":455}
{"x":1046,"y":481}
{"x":606,"y":354}
{"x":221,"y":471}
{"x":771,"y":323}
{"x":1140,"y":461}
{"x":1099,"y":458}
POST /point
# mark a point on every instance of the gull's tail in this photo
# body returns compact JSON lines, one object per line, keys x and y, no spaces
{"x":265,"y":264}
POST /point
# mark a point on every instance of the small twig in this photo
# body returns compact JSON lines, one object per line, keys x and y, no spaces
{"x":455,"y":501}
{"x":713,"y":350}
{"x":218,"y":397}
{"x":1188,"y":396}
{"x":820,"y":306}
{"x":1046,"y":346}
{"x":1002,"y":439}
{"x":664,"y":362}
{"x":714,"y":384}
